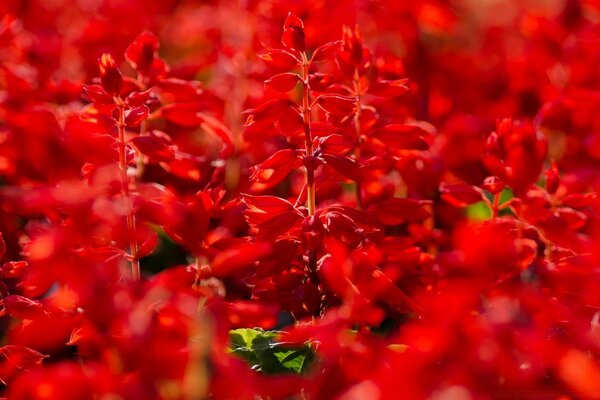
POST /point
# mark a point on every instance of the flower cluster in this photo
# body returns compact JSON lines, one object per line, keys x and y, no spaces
{"x":275,"y":200}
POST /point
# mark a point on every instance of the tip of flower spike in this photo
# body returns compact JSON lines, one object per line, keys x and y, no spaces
{"x":110,"y":76}
{"x":105,"y":62}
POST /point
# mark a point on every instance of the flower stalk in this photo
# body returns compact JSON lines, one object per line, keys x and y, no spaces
{"x":131,"y":232}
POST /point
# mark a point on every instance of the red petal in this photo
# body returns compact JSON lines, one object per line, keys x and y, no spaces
{"x":218,"y":129}
{"x":552,"y":178}
{"x":22,"y":307}
{"x":180,"y":91}
{"x":320,"y":82}
{"x":157,"y":149}
{"x":142,"y":51}
{"x":183,"y":114}
{"x":460,"y":194}
{"x":395,"y":211}
{"x":246,"y":313}
{"x":277,"y":167}
{"x":138,"y":98}
{"x":326,"y":51}
{"x":403,"y":137}
{"x":279,"y":225}
{"x":2,"y":246}
{"x":579,"y":200}
{"x":283,"y":83}
{"x":389,"y":88}
{"x":336,"y":144}
{"x":293,"y":33}
{"x":110,"y":76}
{"x":186,"y":168}
{"x":344,"y":166}
{"x":13,"y":269}
{"x":136,"y":115}
{"x":21,"y":357}
{"x":337,"y":105}
{"x":269,"y":112}
{"x":234,"y":258}
{"x":279,"y":58}
{"x":263,"y":208}
{"x":97,"y":94}
{"x":493,"y":184}
{"x":343,"y":228}
{"x":313,"y":232}
{"x":283,"y":113}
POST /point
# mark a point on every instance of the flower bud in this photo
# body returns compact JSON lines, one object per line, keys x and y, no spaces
{"x":110,"y":76}
{"x":313,"y":232}
{"x":552,"y":178}
{"x":493,"y":184}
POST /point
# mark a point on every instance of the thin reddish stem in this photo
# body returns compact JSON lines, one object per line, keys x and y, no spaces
{"x":357,"y":92}
{"x":306,"y":113}
{"x":310,"y":171}
{"x":133,"y":245}
{"x":496,"y":206}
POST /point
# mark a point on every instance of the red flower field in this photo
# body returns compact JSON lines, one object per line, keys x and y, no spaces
{"x":308,"y":199}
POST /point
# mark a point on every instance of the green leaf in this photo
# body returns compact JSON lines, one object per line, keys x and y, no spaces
{"x":260,"y":349}
{"x":241,"y":345}
{"x":296,"y":360}
{"x":478,"y":211}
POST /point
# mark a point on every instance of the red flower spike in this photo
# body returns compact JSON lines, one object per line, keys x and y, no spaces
{"x":143,"y":51}
{"x":2,"y":246}
{"x":293,"y":33}
{"x":353,"y":45}
{"x":110,"y":76}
